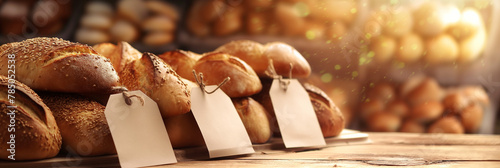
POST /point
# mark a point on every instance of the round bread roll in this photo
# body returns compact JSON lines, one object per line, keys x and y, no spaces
{"x":244,"y":81}
{"x":209,"y":10}
{"x":427,"y":112}
{"x":382,"y":91}
{"x":412,"y":126}
{"x":91,"y":36}
{"x":411,"y":48}
{"x":398,"y":22}
{"x":470,"y":23}
{"x":254,"y":118}
{"x":159,"y":81}
{"x":133,"y":10}
{"x":82,"y":122}
{"x":255,"y":22}
{"x":441,"y":49}
{"x":282,"y":56}
{"x":181,"y":62}
{"x":249,"y":51}
{"x":29,"y":129}
{"x":427,"y":90}
{"x":370,"y":107}
{"x":330,"y":118}
{"x":472,"y":46}
{"x":476,"y":94}
{"x":158,"y":23}
{"x":124,"y":31}
{"x":163,"y":8}
{"x":183,"y":131}
{"x":229,"y":22}
{"x":290,"y":18}
{"x":410,"y":84}
{"x":383,"y":47}
{"x":471,"y":117}
{"x":429,"y":20}
{"x":455,"y":102}
{"x":99,"y":7}
{"x":158,"y":38}
{"x":345,"y":10}
{"x":447,"y":124}
{"x":383,"y":122}
{"x":194,"y":22}
{"x":398,"y":107}
{"x":96,"y":21}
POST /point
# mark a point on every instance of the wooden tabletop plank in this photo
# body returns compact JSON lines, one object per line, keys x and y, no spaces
{"x":434,"y":139}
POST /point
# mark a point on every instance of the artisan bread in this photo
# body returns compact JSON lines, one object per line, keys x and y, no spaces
{"x":265,"y":100}
{"x":82,"y":123}
{"x":183,"y":131}
{"x":159,"y":81}
{"x":217,"y":66}
{"x":122,"y":54}
{"x":53,"y":64}
{"x":181,"y":62}
{"x":258,"y":56}
{"x":33,"y":129}
{"x":330,"y":118}
{"x":254,"y":118}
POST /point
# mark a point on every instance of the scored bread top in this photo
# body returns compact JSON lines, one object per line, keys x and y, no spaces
{"x":53,"y":64}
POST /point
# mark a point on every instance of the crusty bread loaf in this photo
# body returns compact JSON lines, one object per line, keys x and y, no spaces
{"x":34,"y":128}
{"x":330,"y":118}
{"x":53,"y":64}
{"x":122,"y":54}
{"x":254,"y":117}
{"x":217,"y":66}
{"x":82,"y":123}
{"x":183,"y":131}
{"x":258,"y":57}
{"x":182,"y":62}
{"x":156,"y":79}
{"x":265,"y":100}
{"x":283,"y":55}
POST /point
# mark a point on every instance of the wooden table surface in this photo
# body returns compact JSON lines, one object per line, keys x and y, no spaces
{"x":386,"y":149}
{"x":382,"y":149}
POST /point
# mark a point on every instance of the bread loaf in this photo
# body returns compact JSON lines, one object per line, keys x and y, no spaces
{"x":121,"y":54}
{"x":254,"y":117}
{"x":183,"y":131}
{"x":29,"y":130}
{"x":330,"y":118}
{"x":217,"y":66}
{"x":156,"y":79}
{"x":181,"y":62}
{"x":249,"y":51}
{"x":82,"y":123}
{"x":53,"y":64}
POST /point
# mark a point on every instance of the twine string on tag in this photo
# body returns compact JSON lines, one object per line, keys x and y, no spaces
{"x":127,"y":96}
{"x":271,"y":72}
{"x":202,"y":85}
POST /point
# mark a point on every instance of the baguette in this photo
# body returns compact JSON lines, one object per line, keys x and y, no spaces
{"x":36,"y":134}
{"x":159,"y":81}
{"x":82,"y":123}
{"x":53,"y":64}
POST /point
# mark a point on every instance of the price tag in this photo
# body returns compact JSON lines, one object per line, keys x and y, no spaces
{"x":295,"y":114}
{"x":138,"y":131}
{"x":219,"y":122}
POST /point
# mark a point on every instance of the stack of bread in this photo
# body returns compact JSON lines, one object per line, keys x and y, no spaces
{"x":432,"y":32}
{"x":153,"y":22}
{"x":421,"y":105}
{"x":310,"y":19}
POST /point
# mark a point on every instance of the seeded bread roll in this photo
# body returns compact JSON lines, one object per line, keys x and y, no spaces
{"x":83,"y":126}
{"x":159,"y":81}
{"x":182,"y":62}
{"x":330,"y":118}
{"x":53,"y":64}
{"x":217,"y":66}
{"x":254,"y":117}
{"x":36,"y":135}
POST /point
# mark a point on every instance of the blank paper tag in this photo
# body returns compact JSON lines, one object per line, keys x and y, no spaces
{"x":138,"y":131}
{"x":295,"y":115}
{"x":220,"y":124}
